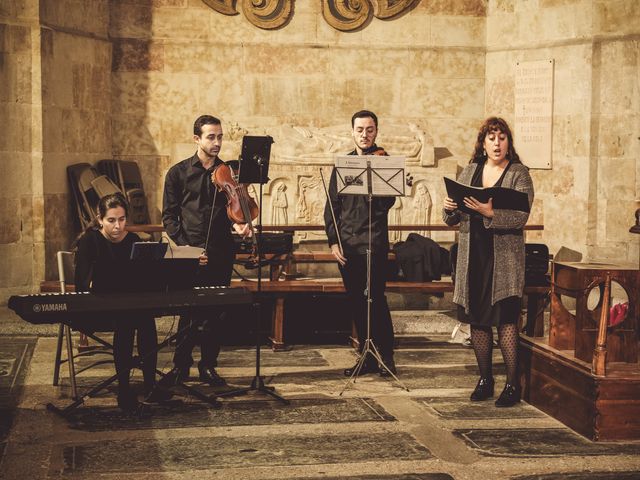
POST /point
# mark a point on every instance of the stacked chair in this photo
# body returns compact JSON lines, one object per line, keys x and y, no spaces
{"x":88,"y":184}
{"x":87,"y":187}
{"x":126,"y":175}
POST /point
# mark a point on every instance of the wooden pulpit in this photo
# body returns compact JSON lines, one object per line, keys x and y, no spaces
{"x":588,"y":284}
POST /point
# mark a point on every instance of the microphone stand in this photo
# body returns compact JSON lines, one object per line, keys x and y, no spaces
{"x":257,"y":384}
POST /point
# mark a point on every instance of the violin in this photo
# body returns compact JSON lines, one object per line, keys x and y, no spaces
{"x":408,"y":177}
{"x":241,"y":208}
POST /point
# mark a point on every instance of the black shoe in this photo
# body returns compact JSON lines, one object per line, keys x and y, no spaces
{"x":128,"y":401}
{"x":173,"y":377}
{"x":367,"y":367}
{"x":509,"y":396}
{"x":210,"y":376}
{"x":157,"y":395}
{"x":391,"y":366}
{"x":484,"y":390}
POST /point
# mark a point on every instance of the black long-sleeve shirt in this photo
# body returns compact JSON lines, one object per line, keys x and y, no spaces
{"x":352,"y":215}
{"x":186,"y":207}
{"x":93,"y":247}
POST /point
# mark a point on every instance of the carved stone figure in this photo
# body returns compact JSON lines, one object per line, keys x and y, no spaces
{"x":311,"y":200}
{"x":279,"y":205}
{"x":395,"y":218}
{"x":422,"y":207}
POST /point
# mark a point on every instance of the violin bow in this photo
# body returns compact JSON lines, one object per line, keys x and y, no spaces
{"x":333,"y":216}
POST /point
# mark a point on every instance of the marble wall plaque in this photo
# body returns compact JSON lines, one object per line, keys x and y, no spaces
{"x":534,"y":112}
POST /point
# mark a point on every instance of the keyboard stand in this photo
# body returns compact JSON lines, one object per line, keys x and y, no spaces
{"x":137,"y":362}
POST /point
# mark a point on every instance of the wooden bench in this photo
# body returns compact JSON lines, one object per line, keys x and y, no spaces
{"x":280,"y":290}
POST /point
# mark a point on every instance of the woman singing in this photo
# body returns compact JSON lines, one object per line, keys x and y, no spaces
{"x":108,"y":241}
{"x":489,"y":276}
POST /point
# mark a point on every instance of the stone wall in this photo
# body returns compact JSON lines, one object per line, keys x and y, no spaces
{"x":76,"y":106}
{"x":423,"y":74}
{"x":587,"y":200}
{"x":84,"y":80}
{"x":21,"y":213}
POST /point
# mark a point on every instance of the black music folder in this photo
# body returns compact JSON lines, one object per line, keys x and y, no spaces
{"x":503,"y":198}
{"x":144,"y":275}
{"x":148,"y":250}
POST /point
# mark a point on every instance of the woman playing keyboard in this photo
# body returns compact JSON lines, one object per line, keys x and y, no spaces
{"x":106,"y":240}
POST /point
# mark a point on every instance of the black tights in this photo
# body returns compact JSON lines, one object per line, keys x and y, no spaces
{"x":482,"y":341}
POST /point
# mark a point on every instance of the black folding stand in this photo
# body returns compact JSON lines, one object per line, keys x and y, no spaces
{"x":254,"y":168}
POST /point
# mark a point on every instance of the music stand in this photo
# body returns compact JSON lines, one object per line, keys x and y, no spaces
{"x":371,"y":175}
{"x":254,"y":168}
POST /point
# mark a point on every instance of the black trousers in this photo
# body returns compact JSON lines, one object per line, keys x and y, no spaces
{"x":354,"y":276}
{"x":123,"y":337}
{"x":204,"y":327}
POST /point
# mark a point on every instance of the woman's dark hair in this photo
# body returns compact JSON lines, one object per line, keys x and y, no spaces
{"x":494,"y":124}
{"x":113,"y":200}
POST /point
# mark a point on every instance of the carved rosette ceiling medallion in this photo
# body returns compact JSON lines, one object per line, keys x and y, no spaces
{"x":343,"y":15}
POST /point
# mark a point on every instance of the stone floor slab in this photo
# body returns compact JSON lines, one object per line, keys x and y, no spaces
{"x":539,"y":442}
{"x":583,"y":476}
{"x":403,"y":476}
{"x":301,"y":410}
{"x":412,"y":377}
{"x":177,"y":454}
{"x":460,"y":408}
{"x":15,"y":355}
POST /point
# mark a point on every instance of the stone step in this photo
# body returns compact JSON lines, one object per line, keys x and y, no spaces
{"x":423,"y":321}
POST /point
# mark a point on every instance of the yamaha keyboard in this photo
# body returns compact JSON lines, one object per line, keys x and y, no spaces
{"x":69,"y":307}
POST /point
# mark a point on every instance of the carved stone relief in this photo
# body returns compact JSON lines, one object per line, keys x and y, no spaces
{"x":279,"y":203}
{"x":310,"y":203}
{"x":320,"y":145}
{"x":295,"y":194}
{"x":421,"y":209}
{"x":346,"y":16}
{"x":264,"y":14}
{"x":395,"y":218}
{"x":357,"y":14}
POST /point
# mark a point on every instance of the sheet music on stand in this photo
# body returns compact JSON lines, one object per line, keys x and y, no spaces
{"x":354,"y":173}
{"x":183,"y":251}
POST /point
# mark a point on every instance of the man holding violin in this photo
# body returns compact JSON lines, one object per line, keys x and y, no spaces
{"x":347,"y":230}
{"x":190,"y":217}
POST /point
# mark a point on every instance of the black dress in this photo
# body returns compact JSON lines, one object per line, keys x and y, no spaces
{"x":480,"y":273}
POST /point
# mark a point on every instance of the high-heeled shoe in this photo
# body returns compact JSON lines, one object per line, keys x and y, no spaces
{"x":509,"y":396}
{"x":483,"y":390}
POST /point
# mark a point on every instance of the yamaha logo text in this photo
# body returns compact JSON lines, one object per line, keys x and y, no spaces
{"x":50,"y":307}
